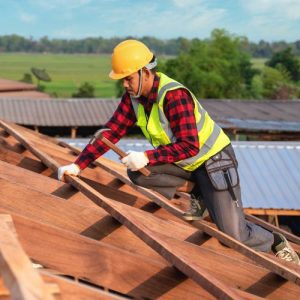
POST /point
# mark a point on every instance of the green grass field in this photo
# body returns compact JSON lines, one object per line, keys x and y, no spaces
{"x":258,"y":63}
{"x":68,"y":71}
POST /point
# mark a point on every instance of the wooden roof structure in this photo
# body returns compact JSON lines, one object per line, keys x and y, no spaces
{"x":116,"y":239}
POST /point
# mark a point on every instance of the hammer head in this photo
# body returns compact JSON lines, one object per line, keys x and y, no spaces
{"x":98,"y":134}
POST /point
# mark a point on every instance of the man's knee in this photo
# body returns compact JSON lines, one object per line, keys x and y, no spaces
{"x":137,"y":178}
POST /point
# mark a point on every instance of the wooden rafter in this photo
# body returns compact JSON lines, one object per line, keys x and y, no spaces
{"x":21,"y":279}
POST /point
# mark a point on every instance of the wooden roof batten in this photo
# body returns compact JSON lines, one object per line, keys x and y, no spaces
{"x":21,"y":279}
{"x":170,"y":248}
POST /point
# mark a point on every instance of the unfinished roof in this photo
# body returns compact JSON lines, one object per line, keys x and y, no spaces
{"x":122,"y":237}
{"x":251,"y":115}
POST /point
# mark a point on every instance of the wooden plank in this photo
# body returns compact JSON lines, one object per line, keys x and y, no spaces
{"x":21,"y":279}
{"x":272,"y":212}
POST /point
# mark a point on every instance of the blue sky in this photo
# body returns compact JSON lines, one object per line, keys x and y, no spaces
{"x":271,"y":20}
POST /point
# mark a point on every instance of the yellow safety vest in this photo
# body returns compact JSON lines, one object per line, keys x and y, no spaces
{"x":156,"y":127}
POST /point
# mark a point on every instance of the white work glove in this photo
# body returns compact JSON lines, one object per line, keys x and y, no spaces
{"x":135,"y":160}
{"x":71,"y":169}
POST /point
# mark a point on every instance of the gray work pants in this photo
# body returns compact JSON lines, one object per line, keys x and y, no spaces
{"x":228,"y":217}
{"x":163,"y":179}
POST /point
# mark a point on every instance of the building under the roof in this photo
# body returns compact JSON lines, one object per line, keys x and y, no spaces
{"x":18,"y":89}
{"x":241,"y":119}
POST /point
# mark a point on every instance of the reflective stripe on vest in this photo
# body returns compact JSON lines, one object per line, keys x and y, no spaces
{"x":157,"y":129}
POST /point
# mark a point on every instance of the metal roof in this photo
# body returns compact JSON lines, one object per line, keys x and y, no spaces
{"x":244,"y":114}
{"x":58,"y":112}
{"x":261,"y":125}
{"x":269,"y":171}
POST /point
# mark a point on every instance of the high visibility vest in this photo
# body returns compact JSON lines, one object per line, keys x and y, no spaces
{"x":156,"y":127}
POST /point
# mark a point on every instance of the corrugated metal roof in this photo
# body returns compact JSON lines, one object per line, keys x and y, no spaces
{"x":269,"y":171}
{"x":58,"y":112}
{"x":261,"y":125}
{"x":274,"y":115}
{"x":252,"y":115}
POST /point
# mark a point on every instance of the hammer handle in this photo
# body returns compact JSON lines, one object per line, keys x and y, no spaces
{"x":122,"y":154}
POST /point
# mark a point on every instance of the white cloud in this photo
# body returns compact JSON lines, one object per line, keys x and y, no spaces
{"x":272,"y":19}
{"x":166,"y":21}
{"x":289,"y":9}
{"x":27,"y":18}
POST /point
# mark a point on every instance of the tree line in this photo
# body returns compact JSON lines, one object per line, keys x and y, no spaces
{"x":100,"y":45}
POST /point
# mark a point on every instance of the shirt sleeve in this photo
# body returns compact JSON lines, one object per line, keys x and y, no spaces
{"x":179,"y":110}
{"x":119,"y":124}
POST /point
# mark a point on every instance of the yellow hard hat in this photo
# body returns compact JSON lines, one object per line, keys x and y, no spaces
{"x":128,"y":57}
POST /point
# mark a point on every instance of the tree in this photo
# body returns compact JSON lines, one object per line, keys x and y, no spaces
{"x":215,"y":68}
{"x":287,"y":60}
{"x":273,"y":83}
{"x":86,"y":90}
{"x":27,"y":78}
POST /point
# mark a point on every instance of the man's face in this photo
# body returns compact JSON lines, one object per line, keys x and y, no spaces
{"x":131,"y":83}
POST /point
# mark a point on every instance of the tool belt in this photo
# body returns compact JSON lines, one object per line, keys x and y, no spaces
{"x":222,"y":171}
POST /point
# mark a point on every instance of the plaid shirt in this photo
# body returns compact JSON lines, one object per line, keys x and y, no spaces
{"x":179,"y":110}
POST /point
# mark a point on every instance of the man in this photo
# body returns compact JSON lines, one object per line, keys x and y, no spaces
{"x":188,"y":144}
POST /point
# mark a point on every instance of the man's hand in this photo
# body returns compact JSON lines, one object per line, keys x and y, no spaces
{"x":135,"y":160}
{"x":71,"y":169}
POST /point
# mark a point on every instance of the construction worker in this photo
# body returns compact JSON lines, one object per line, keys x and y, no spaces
{"x":188,"y":145}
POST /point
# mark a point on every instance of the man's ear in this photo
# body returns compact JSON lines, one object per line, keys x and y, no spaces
{"x":147,"y":74}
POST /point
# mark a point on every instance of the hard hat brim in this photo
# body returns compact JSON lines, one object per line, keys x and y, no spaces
{"x":116,"y":76}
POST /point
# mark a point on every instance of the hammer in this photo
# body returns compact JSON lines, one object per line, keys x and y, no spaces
{"x":112,"y":146}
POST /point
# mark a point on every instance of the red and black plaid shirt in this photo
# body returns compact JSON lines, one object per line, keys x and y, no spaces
{"x":179,"y":110}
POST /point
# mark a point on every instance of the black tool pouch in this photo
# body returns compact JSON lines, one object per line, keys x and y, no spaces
{"x":222,"y":171}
